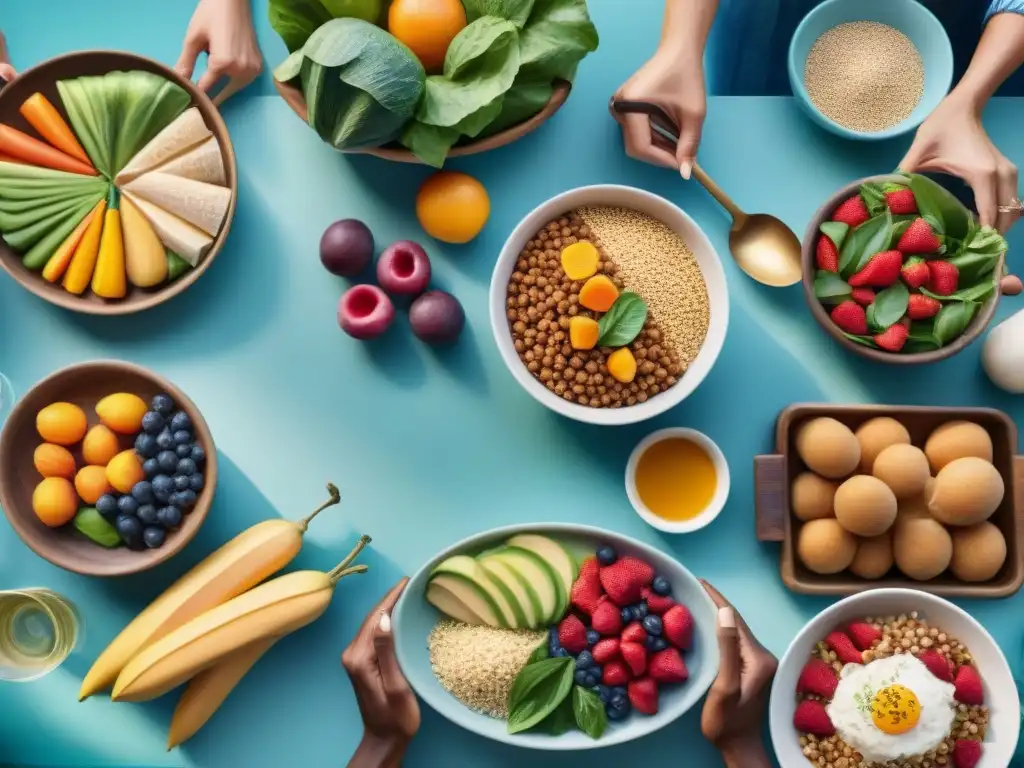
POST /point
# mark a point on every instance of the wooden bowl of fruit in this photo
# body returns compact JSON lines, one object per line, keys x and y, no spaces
{"x":106,"y":468}
{"x":105,"y":211}
{"x":897,"y":270}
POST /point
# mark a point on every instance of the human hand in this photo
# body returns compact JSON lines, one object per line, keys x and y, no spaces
{"x":734,"y":710}
{"x":390,"y":711}
{"x":953,"y":140}
{"x":222,"y":28}
{"x":7,"y":71}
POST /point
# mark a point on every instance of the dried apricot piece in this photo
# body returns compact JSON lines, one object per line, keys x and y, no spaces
{"x":579,"y":260}
{"x":54,"y":461}
{"x":622,"y":365}
{"x":583,"y":332}
{"x":598,"y":293}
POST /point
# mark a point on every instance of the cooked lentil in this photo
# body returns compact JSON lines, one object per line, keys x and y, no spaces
{"x":906,"y":633}
{"x":477,"y":664}
{"x":864,"y":75}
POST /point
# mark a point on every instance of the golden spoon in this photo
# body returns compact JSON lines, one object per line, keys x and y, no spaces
{"x":763,"y":247}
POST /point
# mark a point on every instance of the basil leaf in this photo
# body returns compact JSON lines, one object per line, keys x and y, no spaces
{"x":871,"y":237}
{"x":836,"y":231}
{"x":830,"y":287}
{"x":866,"y":341}
{"x":874,"y":198}
{"x":891,"y":304}
{"x":537,"y":690}
{"x":623,"y":322}
{"x":952,"y":321}
{"x":562,"y":720}
{"x":590,"y":715}
{"x":917,"y":346}
{"x":873,"y":324}
{"x":937,"y":202}
{"x":91,"y":524}
{"x":539,"y":653}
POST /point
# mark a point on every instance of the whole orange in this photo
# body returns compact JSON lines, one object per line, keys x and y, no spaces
{"x":452,"y":206}
{"x":427,"y":27}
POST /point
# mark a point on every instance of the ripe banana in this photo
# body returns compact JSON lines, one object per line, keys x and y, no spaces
{"x":272,"y":609}
{"x":243,"y":562}
{"x":208,"y":690}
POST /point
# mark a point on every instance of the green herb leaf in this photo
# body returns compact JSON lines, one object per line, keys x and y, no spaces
{"x":516,"y":11}
{"x":623,"y":322}
{"x":921,"y":337}
{"x":870,"y":238}
{"x":430,"y":143}
{"x":975,"y":293}
{"x":900,"y":224}
{"x":296,"y":20}
{"x":917,"y":346}
{"x":90,"y":523}
{"x":836,"y":231}
{"x":891,"y":304}
{"x":952,"y":321}
{"x":590,"y":715}
{"x":539,"y":653}
{"x":873,"y":324}
{"x":938,"y":203}
{"x":556,"y":37}
{"x":523,"y":101}
{"x":874,"y":198}
{"x":562,"y":720}
{"x":537,"y":690}
{"x":986,"y":240}
{"x":830,"y":288}
{"x":866,"y":341}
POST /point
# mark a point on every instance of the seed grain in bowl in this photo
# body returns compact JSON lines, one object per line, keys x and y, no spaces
{"x":637,"y":254}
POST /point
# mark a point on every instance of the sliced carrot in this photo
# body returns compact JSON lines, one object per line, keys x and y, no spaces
{"x":8,"y":159}
{"x":58,"y":263}
{"x":83,"y":263}
{"x":45,"y":118}
{"x":22,"y":146}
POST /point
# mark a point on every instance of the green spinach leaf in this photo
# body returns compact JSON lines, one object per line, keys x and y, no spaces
{"x":590,"y":715}
{"x":871,"y":237}
{"x":873,"y":325}
{"x":623,"y":322}
{"x":537,"y":690}
{"x":830,"y":287}
{"x":836,"y":231}
{"x":891,"y":304}
{"x":952,"y":321}
{"x":516,"y":11}
{"x":973,"y":266}
{"x":556,"y":37}
{"x":430,"y":143}
{"x":562,"y":720}
{"x":865,"y":341}
{"x":937,"y":203}
{"x":523,"y":101}
{"x":874,"y":197}
{"x":296,"y":20}
{"x":976,"y":293}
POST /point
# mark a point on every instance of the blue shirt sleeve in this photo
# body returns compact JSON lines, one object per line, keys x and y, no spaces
{"x":1005,"y":6}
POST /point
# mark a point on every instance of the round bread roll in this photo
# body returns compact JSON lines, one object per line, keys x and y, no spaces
{"x":904,"y":468}
{"x":875,"y":435}
{"x":828,"y":447}
{"x":966,"y":491}
{"x":874,"y":557}
{"x":865,"y":506}
{"x":979,"y":551}
{"x":922,"y":548}
{"x":824,"y":546}
{"x":811,"y":496}
{"x":955,"y":440}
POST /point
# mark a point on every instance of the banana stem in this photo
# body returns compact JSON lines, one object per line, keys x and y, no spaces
{"x":335,"y":499}
{"x":349,"y":571}
{"x":339,"y":570}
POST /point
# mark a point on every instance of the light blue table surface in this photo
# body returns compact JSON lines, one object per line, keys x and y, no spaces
{"x":429,"y":446}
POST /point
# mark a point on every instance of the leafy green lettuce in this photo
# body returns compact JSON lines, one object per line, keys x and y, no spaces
{"x":296,"y":20}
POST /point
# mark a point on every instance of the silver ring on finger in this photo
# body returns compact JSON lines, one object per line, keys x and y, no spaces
{"x":1016,"y":205}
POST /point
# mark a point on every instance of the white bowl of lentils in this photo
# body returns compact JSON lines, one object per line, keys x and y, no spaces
{"x":907,"y":622}
{"x":647,"y":246}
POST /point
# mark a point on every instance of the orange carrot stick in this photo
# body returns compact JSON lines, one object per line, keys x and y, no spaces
{"x":8,"y":159}
{"x":45,"y":118}
{"x":23,"y":147}
{"x":58,"y":263}
{"x":79,"y":272}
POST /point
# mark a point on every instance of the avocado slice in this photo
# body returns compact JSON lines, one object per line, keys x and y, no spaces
{"x":447,"y":603}
{"x":538,"y":574}
{"x":465,"y":567}
{"x":466,"y":594}
{"x":522,"y":594}
{"x":555,"y":555}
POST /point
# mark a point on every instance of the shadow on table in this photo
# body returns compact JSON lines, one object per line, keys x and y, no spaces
{"x":397,"y":354}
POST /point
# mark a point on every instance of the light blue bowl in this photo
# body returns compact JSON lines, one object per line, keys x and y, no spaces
{"x":909,"y":17}
{"x":413,"y":618}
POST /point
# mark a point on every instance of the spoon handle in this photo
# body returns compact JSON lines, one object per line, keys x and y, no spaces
{"x":738,"y":216}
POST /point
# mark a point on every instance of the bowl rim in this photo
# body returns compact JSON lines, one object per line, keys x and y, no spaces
{"x":30,"y":281}
{"x":718,"y":500}
{"x":150,"y":557}
{"x":779,"y":699}
{"x":796,"y":81}
{"x":703,"y":681}
{"x":718,"y":303}
{"x":978,"y":325}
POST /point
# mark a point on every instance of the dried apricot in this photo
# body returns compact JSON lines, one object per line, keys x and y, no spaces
{"x":583,"y":332}
{"x":598,"y":293}
{"x":579,"y":260}
{"x":124,"y":471}
{"x":61,"y":423}
{"x":122,"y":412}
{"x":622,"y":365}
{"x":54,"y":461}
{"x":91,"y":483}
{"x":100,"y":445}
{"x":54,"y":501}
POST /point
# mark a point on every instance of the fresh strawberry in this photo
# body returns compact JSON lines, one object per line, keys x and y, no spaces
{"x":586,"y":592}
{"x":921,"y":307}
{"x":915,"y":273}
{"x":677,"y":627}
{"x":850,"y":317}
{"x":667,"y":666}
{"x":656,"y":604}
{"x":634,"y":633}
{"x":572,"y":634}
{"x":901,"y":201}
{"x":894,"y":337}
{"x":919,"y":238}
{"x":966,"y":753}
{"x":606,"y":618}
{"x":863,"y":634}
{"x":827,"y":254}
{"x":643,"y":695}
{"x":938,"y":665}
{"x":635,"y":656}
{"x":817,"y":677}
{"x":943,"y":277}
{"x":863,"y":296}
{"x":811,"y":717}
{"x":852,"y":212}
{"x":968,"y":686}
{"x":615,"y":673}
{"x":605,"y":650}
{"x":841,"y":643}
{"x":625,"y":579}
{"x":881,"y":271}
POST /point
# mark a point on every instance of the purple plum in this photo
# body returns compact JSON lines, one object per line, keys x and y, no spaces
{"x":365,"y":312}
{"x":436,"y":317}
{"x":404,"y":268}
{"x":346,"y":247}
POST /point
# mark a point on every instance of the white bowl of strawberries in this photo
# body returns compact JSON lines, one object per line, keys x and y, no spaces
{"x":898,"y":270}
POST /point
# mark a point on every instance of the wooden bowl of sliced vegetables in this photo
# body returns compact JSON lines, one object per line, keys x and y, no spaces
{"x":118,"y":182}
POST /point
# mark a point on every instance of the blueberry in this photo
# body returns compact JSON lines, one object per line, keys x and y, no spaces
{"x":181,"y":421}
{"x":653,"y":625}
{"x":187,"y":499}
{"x":584,"y":660}
{"x":590,"y":679}
{"x":169,"y":517}
{"x":145,"y":446}
{"x":152,"y":422}
{"x":167,"y":460}
{"x":183,"y":437}
{"x":616,"y":714}
{"x":143,"y":492}
{"x":127,"y":505}
{"x":180,"y":482}
{"x":186,"y":467}
{"x":660,"y":586}
{"x":606,"y":555}
{"x":196,"y":482}
{"x":106,"y":505}
{"x":153,"y":536}
{"x":561,"y":653}
{"x":198,"y":454}
{"x":147,"y":514}
{"x":626,"y":614}
{"x":603,"y":692}
{"x":183,"y":451}
{"x":617,"y":698}
{"x":162,"y":404}
{"x":130,"y":530}
{"x":150,"y":467}
{"x":163,"y":487}
{"x":655,"y":644}
{"x":580,"y":676}
{"x":592,"y":637}
{"x":165,"y":440}
{"x":639,"y":611}
{"x":621,"y":704}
